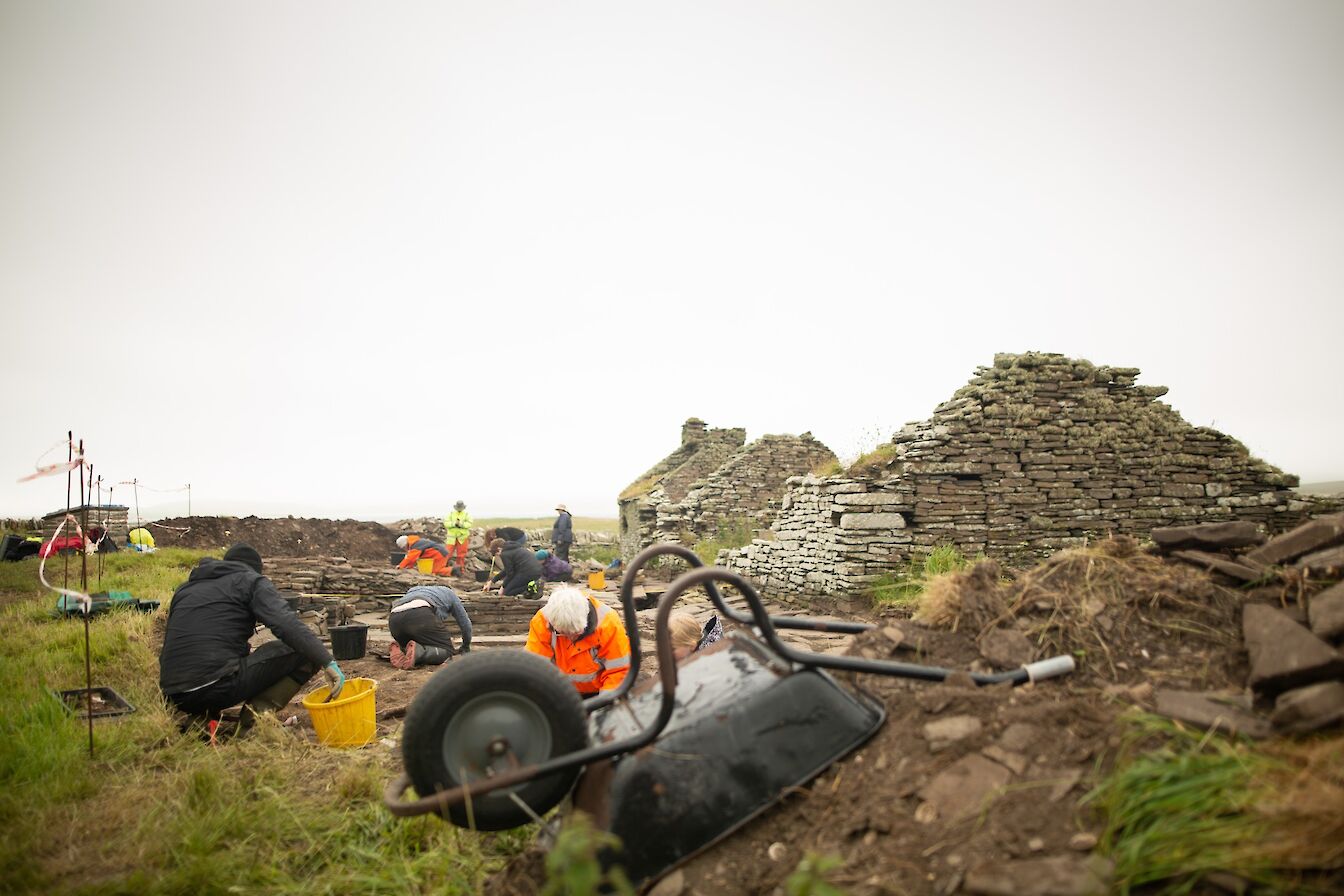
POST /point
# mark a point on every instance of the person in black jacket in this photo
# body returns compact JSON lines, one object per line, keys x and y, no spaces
{"x":520,"y":571}
{"x":562,"y":533}
{"x":206,"y":666}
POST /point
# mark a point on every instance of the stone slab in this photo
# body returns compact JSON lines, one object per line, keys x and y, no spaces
{"x":1326,"y":613}
{"x":1285,"y":655}
{"x":1211,"y":711}
{"x":872,"y":521}
{"x":1006,"y":648}
{"x":1218,"y":563}
{"x":1313,"y":535}
{"x":1311,"y":708}
{"x":1208,"y":536}
{"x":1323,"y":563}
{"x":964,"y":786}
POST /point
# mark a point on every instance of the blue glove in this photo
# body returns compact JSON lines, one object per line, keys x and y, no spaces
{"x":336,"y":677}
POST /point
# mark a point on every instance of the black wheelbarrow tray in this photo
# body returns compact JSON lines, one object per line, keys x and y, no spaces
{"x":495,"y":739}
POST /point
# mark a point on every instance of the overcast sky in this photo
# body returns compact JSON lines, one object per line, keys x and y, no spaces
{"x":363,"y":259}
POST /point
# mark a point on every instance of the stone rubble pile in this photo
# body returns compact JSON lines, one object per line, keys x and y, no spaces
{"x":1292,"y":624}
{"x":1037,"y":453}
{"x":711,"y":481}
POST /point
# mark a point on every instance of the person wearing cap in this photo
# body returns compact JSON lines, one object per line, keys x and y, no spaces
{"x":553,"y":569}
{"x":420,"y":636}
{"x":206,"y":665}
{"x":584,"y":638}
{"x":458,"y":526}
{"x":562,"y":533}
{"x":418,"y":547}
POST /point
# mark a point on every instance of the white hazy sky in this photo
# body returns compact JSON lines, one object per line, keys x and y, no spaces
{"x":362,"y":259}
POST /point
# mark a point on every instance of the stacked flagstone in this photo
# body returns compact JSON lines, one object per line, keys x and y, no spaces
{"x":1038,"y":452}
{"x":713,"y":481}
{"x":1292,"y":624}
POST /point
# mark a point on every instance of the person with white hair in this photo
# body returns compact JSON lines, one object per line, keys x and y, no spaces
{"x":584,"y":638}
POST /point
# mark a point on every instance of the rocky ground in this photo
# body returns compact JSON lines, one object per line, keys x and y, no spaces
{"x":983,"y":790}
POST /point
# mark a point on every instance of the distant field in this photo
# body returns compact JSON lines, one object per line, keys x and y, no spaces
{"x":1322,"y":488}
{"x":586,"y":523}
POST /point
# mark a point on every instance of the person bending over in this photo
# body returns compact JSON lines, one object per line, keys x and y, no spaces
{"x":206,"y":666}
{"x":520,"y":570}
{"x":420,"y":636}
{"x":418,"y":547}
{"x":584,"y":638}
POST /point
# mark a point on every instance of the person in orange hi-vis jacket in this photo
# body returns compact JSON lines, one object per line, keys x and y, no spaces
{"x":418,"y":547}
{"x":584,"y":638}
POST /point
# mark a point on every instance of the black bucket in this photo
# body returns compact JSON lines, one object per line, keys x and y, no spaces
{"x":482,"y":575}
{"x":349,"y":642}
{"x":291,"y":600}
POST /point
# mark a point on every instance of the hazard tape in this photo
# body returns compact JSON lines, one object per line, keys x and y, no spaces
{"x":60,"y":467}
{"x":85,"y":601}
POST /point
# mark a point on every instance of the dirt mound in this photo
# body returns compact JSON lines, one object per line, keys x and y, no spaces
{"x":981,"y":790}
{"x":289,"y":537}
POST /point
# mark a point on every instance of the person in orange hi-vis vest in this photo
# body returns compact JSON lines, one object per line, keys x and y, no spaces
{"x":417,"y":547}
{"x":584,"y":638}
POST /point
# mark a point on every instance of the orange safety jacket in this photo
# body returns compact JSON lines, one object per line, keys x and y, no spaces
{"x":596,"y":660}
{"x":429,"y":550}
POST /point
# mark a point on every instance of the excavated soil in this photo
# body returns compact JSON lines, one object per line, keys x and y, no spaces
{"x":354,"y":540}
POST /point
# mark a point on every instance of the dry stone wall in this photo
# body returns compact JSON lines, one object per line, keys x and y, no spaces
{"x":1038,"y":452}
{"x":713,"y":480}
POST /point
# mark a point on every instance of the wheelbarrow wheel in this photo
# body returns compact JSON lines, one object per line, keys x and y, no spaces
{"x":488,"y":713}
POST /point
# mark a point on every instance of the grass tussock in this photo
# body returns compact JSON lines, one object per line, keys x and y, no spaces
{"x":906,"y":588}
{"x":159,"y":811}
{"x":1182,"y":804}
{"x":728,"y":534}
{"x":875,"y":462}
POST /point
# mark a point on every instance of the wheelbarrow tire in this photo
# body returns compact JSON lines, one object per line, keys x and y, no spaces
{"x":508,"y":696}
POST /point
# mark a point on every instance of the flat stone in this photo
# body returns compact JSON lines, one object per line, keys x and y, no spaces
{"x":1313,"y":535}
{"x":1327,"y":562}
{"x":872,"y":521}
{"x":672,"y":885}
{"x":952,"y":728}
{"x":1311,"y":708}
{"x":964,"y":786}
{"x":1326,"y":612}
{"x":1018,"y":737}
{"x":1211,"y":712}
{"x":1051,"y":876}
{"x":1208,"y":536}
{"x":1014,"y":762}
{"x":1006,"y":648}
{"x":1285,"y":655}
{"x":893,"y":634}
{"x":1218,"y":563}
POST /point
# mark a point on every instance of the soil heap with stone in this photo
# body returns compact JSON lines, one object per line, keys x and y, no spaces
{"x":354,"y":540}
{"x":985,"y":790}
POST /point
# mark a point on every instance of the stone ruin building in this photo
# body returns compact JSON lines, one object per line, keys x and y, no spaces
{"x":713,"y":479}
{"x":1038,"y":452}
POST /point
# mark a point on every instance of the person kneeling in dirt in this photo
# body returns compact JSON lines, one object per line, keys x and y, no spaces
{"x":520,"y":570}
{"x":584,"y":638}
{"x":689,"y":636}
{"x":419,"y":635}
{"x":205,"y":665}
{"x":418,"y":547}
{"x":553,"y":569}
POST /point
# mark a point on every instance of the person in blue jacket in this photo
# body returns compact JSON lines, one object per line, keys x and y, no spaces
{"x":562,"y":533}
{"x":420,"y":636}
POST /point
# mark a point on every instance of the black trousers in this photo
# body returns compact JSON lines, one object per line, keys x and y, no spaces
{"x":257,"y":671}
{"x":422,"y":626}
{"x":562,"y":550}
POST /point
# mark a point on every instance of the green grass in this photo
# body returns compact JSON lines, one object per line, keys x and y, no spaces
{"x":581,"y":523}
{"x":156,"y":811}
{"x":728,"y":535}
{"x":1181,"y":804}
{"x":602,"y":553}
{"x":904,"y":589}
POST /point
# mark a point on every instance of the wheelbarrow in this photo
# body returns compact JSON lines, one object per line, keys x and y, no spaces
{"x":670,"y":766}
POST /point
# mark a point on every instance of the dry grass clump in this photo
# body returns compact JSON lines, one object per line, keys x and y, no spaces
{"x":1089,"y":598}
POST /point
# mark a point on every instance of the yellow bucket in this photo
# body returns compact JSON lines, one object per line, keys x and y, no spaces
{"x":597,"y":580}
{"x":347,"y":721}
{"x":425,"y":566}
